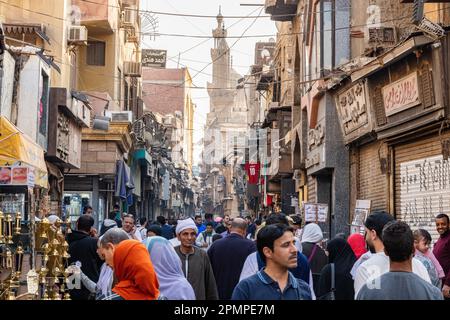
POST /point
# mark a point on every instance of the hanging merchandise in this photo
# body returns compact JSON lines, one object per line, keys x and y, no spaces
{"x":252,"y":170}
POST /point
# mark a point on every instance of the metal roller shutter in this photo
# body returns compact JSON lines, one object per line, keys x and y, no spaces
{"x":422,"y":184}
{"x":312,"y":190}
{"x":372,"y":183}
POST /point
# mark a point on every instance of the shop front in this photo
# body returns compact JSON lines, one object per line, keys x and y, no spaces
{"x":394,"y":116}
{"x":326,"y":161}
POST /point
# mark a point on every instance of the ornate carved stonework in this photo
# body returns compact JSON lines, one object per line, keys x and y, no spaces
{"x":63,"y":137}
{"x":352,"y":108}
{"x":316,"y":136}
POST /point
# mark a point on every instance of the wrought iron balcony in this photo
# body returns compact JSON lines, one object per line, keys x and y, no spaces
{"x":281,"y":10}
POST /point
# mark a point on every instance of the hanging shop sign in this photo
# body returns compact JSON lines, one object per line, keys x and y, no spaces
{"x":401,"y":95}
{"x":154,"y":58}
{"x":315,"y":212}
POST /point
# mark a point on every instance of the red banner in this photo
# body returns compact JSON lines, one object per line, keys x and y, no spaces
{"x":252,"y":170}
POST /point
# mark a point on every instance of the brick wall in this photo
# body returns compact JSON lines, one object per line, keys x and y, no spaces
{"x":98,"y":157}
{"x":167,"y":94}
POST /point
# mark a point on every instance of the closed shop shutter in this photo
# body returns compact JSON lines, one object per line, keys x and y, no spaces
{"x":422,"y":183}
{"x":312,"y":189}
{"x":372,"y":183}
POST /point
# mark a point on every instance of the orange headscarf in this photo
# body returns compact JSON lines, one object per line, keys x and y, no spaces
{"x":134,"y":271}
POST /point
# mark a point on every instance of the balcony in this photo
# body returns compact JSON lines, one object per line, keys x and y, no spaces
{"x":100,"y":16}
{"x":265,"y":80}
{"x":281,"y":10}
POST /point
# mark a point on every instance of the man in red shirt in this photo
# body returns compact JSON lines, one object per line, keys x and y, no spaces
{"x":442,"y":250}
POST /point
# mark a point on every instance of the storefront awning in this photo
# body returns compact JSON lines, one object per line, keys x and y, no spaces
{"x":18,"y":150}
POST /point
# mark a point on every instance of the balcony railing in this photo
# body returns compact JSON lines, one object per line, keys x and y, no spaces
{"x":281,"y":10}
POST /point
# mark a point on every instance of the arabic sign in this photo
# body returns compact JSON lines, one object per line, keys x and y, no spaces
{"x":401,"y":95}
{"x":316,"y":212}
{"x":154,"y":58}
{"x":352,"y":108}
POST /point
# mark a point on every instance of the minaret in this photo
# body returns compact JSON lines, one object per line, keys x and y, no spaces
{"x":220,"y":55}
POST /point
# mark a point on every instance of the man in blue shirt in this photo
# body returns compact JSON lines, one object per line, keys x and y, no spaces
{"x":198,"y":222}
{"x":276,"y":246}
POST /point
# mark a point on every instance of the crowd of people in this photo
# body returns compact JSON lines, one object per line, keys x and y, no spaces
{"x":273,"y":258}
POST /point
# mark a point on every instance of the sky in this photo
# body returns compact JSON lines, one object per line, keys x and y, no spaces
{"x":199,"y":57}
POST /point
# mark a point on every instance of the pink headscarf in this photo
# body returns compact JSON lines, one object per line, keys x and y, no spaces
{"x":358,"y":244}
{"x":429,"y":254}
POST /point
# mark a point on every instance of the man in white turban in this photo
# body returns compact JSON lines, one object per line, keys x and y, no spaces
{"x":195,"y":262}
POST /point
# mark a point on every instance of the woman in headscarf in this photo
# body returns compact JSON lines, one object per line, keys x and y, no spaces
{"x":133,"y":268}
{"x":172,"y":282}
{"x":341,"y":255}
{"x":358,"y":244}
{"x":312,"y":236}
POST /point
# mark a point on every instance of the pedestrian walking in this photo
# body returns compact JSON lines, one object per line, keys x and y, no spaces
{"x":378,"y":262}
{"x":442,"y":250}
{"x":223,"y":226}
{"x":254,"y":261}
{"x":130,"y":228}
{"x":399,"y":283}
{"x":337,"y":272}
{"x":422,"y":241}
{"x":142,"y":228}
{"x":358,"y":244}
{"x":199,"y":223}
{"x":136,"y":277}
{"x":83,"y":249}
{"x":195,"y":262}
{"x":228,"y":255}
{"x":167,"y":264}
{"x":312,"y":237}
{"x":276,"y":246}
{"x":167,"y":230}
{"x":154,"y":230}
{"x":205,"y":238}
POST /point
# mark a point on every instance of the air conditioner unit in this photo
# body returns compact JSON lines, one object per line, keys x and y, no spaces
{"x":78,"y":34}
{"x":132,"y":69}
{"x":129,"y":18}
{"x":120,"y":116}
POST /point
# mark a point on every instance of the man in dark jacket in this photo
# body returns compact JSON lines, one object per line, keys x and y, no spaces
{"x":227,"y":257}
{"x":167,"y":231}
{"x":83,"y":249}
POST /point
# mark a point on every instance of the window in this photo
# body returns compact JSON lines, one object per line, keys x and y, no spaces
{"x":96,"y":53}
{"x":43,"y":105}
{"x":327,"y":37}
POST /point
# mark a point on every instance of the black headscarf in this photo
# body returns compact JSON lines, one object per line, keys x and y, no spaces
{"x":341,"y":254}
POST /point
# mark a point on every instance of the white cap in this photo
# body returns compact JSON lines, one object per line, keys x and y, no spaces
{"x":185,"y":224}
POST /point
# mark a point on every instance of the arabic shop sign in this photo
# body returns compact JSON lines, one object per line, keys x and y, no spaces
{"x":401,"y":95}
{"x":154,"y":58}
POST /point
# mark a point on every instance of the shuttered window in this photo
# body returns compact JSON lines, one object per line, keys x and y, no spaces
{"x":380,"y":113}
{"x":426,"y":81}
{"x":96,"y":53}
